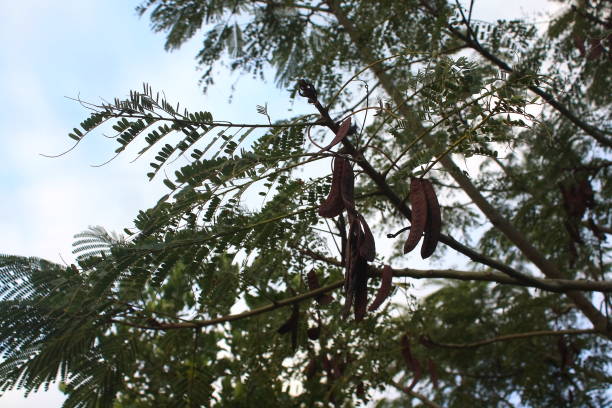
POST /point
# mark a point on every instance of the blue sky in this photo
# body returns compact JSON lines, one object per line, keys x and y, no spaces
{"x":96,"y":49}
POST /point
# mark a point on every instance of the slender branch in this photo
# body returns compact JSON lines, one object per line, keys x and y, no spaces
{"x":552,"y":285}
{"x":508,"y":337}
{"x":230,"y":318}
{"x":429,"y":403}
{"x":295,"y":6}
{"x":216,"y":123}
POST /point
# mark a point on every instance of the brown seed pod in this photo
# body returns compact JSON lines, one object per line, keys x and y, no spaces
{"x":416,"y":367}
{"x":326,"y":365}
{"x":333,"y":205}
{"x":360,"y":390}
{"x":384,"y":290}
{"x":595,"y":50}
{"x":311,"y":369}
{"x":335,"y":366}
{"x":313,"y":284}
{"x":340,"y":134}
{"x":367,"y":247}
{"x":579,"y":43}
{"x":406,"y":352}
{"x":347,"y":189}
{"x":291,"y":325}
{"x":418,"y":201}
{"x":313,"y":333}
{"x":433,"y":372}
{"x":434,"y":221}
{"x":411,"y":362}
{"x":360,"y":279}
{"x":350,"y":252}
{"x":349,"y":285}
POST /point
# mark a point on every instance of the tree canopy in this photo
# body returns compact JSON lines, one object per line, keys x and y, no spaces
{"x":278,"y":270}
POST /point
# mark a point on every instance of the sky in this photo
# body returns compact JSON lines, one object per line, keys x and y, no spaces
{"x":97,"y":50}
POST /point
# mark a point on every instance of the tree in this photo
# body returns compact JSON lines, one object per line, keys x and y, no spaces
{"x":150,"y":318}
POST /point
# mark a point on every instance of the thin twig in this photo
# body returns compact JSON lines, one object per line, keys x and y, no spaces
{"x":429,"y":403}
{"x":508,"y":337}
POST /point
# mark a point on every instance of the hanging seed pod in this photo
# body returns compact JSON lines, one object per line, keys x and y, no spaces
{"x":411,"y":362}
{"x":433,"y":372}
{"x":347,"y":189}
{"x":313,"y":284}
{"x":351,"y":252}
{"x":367,"y":247}
{"x":434,"y":221}
{"x":311,"y":369}
{"x":349,"y":285}
{"x":360,"y":279}
{"x":340,"y":134}
{"x":360,"y":390}
{"x":291,"y":326}
{"x":418,"y":201}
{"x":335,"y":366}
{"x":333,"y":205}
{"x":313,"y":333}
{"x":326,"y":365}
{"x":416,"y":367}
{"x":596,"y":49}
{"x":384,"y":290}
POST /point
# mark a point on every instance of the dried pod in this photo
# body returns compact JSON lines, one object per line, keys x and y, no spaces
{"x":367,"y":247}
{"x":313,"y":333}
{"x":333,"y":204}
{"x":596,"y":49}
{"x":351,"y":250}
{"x":340,"y":134}
{"x":347,"y":182}
{"x":313,"y":284}
{"x":360,"y":390}
{"x":291,"y":325}
{"x":579,"y":43}
{"x":567,"y":356}
{"x":312,"y":280}
{"x":311,"y":369}
{"x":326,"y":365}
{"x":411,"y":362}
{"x":360,"y":279}
{"x":433,"y":372}
{"x":406,"y":352}
{"x":434,"y":221}
{"x":384,"y":290}
{"x":335,"y":366}
{"x":349,"y":283}
{"x":416,"y":367}
{"x":418,"y":201}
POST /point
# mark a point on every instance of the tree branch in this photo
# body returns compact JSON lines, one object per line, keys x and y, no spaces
{"x":508,"y":337}
{"x":230,"y":318}
{"x":429,"y":403}
{"x":551,"y":285}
